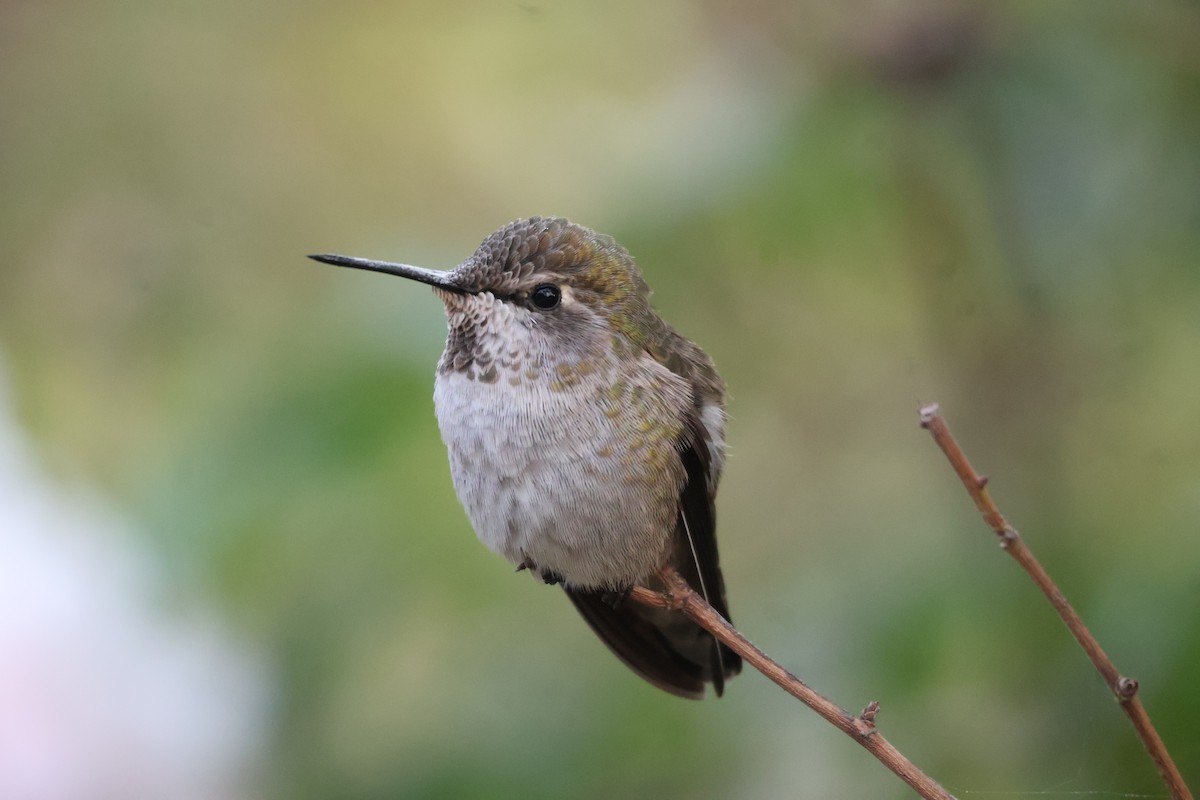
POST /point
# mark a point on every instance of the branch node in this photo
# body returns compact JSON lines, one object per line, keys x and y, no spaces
{"x":982,"y":481}
{"x":867,"y":717}
{"x":1126,"y":688}
{"x":1008,"y":536}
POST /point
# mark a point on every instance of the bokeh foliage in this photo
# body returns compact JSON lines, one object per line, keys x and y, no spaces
{"x":855,"y":207}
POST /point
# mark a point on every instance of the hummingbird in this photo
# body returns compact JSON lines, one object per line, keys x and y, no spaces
{"x":586,"y":436}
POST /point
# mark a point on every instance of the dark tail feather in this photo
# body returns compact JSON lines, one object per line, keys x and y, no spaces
{"x":723,"y":662}
{"x":664,"y":647}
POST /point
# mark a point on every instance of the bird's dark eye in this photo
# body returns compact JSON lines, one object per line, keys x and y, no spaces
{"x":546,"y":296}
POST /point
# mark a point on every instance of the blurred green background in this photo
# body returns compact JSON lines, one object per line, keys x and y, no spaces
{"x":855,"y":208}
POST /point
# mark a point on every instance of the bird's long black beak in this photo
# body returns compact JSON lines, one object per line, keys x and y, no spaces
{"x":433,"y":277}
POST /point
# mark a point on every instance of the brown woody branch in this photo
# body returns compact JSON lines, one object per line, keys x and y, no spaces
{"x":1123,"y":688}
{"x":680,"y":596}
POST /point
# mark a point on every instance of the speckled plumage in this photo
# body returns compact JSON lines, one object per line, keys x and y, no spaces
{"x":561,"y":427}
{"x":586,"y":441}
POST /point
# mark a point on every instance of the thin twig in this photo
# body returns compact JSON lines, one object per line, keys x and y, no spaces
{"x":679,"y":596}
{"x":1123,"y":688}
